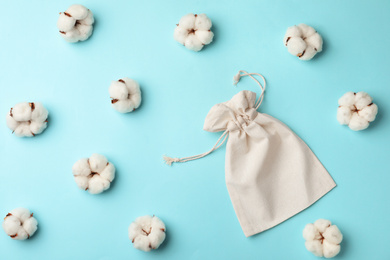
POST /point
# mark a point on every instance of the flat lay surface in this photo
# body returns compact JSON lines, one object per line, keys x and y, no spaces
{"x":135,"y":39}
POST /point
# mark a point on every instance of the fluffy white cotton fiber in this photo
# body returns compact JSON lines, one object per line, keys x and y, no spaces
{"x":76,"y":23}
{"x":20,"y":224}
{"x":356,"y":110}
{"x":94,"y":174}
{"x":147,"y":233}
{"x":194,"y":31}
{"x":322,"y":238}
{"x":27,"y":119}
{"x":303,"y":41}
{"x":125,"y":95}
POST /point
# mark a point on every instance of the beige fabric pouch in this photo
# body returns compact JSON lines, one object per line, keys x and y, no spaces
{"x":271,"y":174}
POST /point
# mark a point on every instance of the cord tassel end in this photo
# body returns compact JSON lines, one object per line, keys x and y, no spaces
{"x":236,"y":78}
{"x":169,"y":160}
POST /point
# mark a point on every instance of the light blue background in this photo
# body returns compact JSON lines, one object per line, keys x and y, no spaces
{"x":134,"y":39}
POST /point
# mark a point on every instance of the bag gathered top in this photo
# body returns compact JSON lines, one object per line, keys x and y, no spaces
{"x":271,"y":174}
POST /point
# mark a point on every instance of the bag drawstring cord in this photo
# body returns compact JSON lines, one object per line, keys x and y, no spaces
{"x":169,"y":160}
{"x":237,"y":77}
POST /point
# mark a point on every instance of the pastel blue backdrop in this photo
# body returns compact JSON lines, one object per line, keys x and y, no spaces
{"x":135,"y":39}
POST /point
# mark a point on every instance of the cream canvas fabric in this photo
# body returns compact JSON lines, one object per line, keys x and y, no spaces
{"x":271,"y":174}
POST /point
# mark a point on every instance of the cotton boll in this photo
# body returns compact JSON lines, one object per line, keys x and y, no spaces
{"x":109,"y":172}
{"x":187,"y":22}
{"x":147,"y":233}
{"x":327,"y":242}
{"x":97,"y":162}
{"x":296,"y":46}
{"x":22,"y":111}
{"x":202,"y":22}
{"x":369,"y":112}
{"x":310,"y":232}
{"x":205,"y":37}
{"x":76,"y":23}
{"x":361,"y":108}
{"x":292,"y":31}
{"x":78,"y":12}
{"x":94,"y":174}
{"x":65,"y":23}
{"x":362,"y":100}
{"x":20,"y":224}
{"x":193,"y":31}
{"x":348,"y":99}
{"x":333,"y":235}
{"x":315,"y":247}
{"x":357,"y":122}
{"x":125,"y":94}
{"x":27,"y":119}
{"x":330,"y":250}
{"x":193,"y":43}
{"x":344,"y":115}
{"x":303,"y":41}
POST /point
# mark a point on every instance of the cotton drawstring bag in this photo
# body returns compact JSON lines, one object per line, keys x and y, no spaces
{"x":271,"y":174}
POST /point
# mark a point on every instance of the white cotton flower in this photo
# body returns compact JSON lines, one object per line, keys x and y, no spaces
{"x":20,"y":224}
{"x":356,"y":110}
{"x":322,"y":238}
{"x":194,"y":31}
{"x":125,"y":95}
{"x":303,"y":41}
{"x":94,"y":174}
{"x":27,"y":119}
{"x":147,"y":233}
{"x":76,"y":23}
